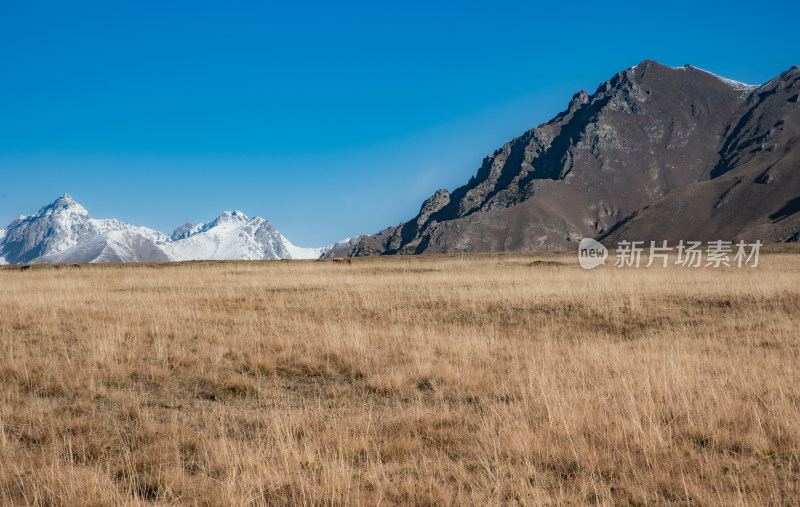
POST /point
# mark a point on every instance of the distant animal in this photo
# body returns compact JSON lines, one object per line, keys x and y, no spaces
{"x":24,"y":268}
{"x":342,"y":261}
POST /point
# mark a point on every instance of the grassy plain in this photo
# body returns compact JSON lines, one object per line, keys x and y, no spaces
{"x":518,"y":378}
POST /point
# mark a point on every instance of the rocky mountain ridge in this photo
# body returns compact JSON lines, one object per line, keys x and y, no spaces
{"x":648,"y":134}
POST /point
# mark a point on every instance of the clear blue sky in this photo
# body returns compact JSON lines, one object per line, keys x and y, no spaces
{"x":329,"y":119}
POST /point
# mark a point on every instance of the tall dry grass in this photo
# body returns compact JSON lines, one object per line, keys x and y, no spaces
{"x":428,"y":380}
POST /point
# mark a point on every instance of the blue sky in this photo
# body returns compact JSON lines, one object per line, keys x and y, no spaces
{"x":329,"y":119}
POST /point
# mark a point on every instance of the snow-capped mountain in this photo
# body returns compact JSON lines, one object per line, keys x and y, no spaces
{"x":62,"y":226}
{"x":233,"y":235}
{"x":65,"y":232}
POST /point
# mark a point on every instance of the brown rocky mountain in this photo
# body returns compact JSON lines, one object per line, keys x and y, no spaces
{"x":655,"y":153}
{"x":754,"y":189}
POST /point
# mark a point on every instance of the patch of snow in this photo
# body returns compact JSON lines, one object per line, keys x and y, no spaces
{"x":736,"y":85}
{"x":299,"y":252}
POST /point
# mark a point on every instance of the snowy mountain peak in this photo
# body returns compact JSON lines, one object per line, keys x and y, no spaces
{"x":185,"y":230}
{"x":65,"y":200}
{"x":55,"y":228}
{"x":236,"y":216}
{"x":232,"y":235}
{"x":64,"y":204}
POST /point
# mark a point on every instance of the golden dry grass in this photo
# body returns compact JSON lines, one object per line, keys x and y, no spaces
{"x":427,"y":380}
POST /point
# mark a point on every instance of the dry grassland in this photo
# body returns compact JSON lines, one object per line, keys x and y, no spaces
{"x":426,"y":380}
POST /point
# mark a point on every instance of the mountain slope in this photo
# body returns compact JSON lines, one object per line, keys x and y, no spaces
{"x":647,"y":132}
{"x":113,"y":246}
{"x":755,"y":190}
